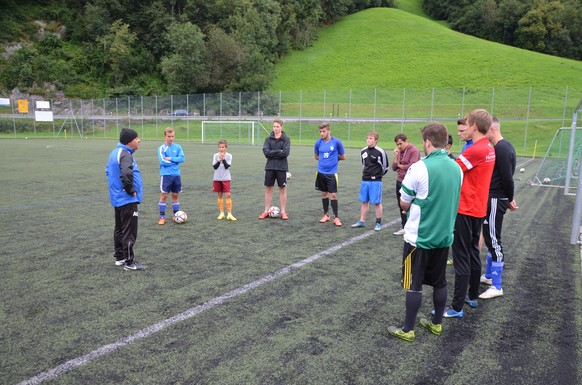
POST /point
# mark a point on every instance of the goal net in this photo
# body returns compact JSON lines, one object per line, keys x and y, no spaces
{"x":232,"y":131}
{"x":553,"y":170}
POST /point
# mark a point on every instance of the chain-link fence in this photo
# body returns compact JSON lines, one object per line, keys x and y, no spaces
{"x":525,"y":112}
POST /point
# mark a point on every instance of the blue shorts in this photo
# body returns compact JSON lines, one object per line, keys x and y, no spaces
{"x":170,"y":184}
{"x":371,"y":191}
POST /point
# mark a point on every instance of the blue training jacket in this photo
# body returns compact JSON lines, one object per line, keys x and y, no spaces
{"x":176,"y":154}
{"x":123,"y":177}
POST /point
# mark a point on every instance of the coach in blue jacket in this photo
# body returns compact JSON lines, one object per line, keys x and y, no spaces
{"x":125,"y":193}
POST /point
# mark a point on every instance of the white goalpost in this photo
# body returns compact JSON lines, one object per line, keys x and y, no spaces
{"x":239,"y":131}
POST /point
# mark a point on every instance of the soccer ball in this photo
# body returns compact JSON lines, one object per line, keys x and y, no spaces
{"x":288,"y":175}
{"x":547,"y":180}
{"x":522,"y":170}
{"x":274,"y":212}
{"x":180,"y":217}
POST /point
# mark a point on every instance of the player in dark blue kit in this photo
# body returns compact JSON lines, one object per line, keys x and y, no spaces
{"x":328,"y":152}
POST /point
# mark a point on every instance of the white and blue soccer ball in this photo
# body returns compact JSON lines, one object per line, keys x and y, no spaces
{"x":274,"y":212}
{"x":180,"y":217}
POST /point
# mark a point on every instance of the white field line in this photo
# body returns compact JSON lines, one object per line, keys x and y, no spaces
{"x":106,"y":349}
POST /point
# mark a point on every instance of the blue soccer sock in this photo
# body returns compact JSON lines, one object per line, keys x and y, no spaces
{"x":162,"y":209}
{"x":488,"y":265}
{"x":496,"y":273}
{"x":176,"y":206}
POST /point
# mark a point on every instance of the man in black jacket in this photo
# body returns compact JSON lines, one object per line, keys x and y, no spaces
{"x":276,"y":149}
{"x":374,"y":166}
{"x":500,"y":199}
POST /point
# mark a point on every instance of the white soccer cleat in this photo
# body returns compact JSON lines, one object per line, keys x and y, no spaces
{"x":492,"y":292}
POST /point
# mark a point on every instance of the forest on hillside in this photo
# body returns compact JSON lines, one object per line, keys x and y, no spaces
{"x":109,"y":48}
{"x":552,"y":27}
{"x":103,"y":48}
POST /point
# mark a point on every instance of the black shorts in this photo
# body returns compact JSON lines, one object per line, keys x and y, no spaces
{"x":423,"y":267}
{"x":326,"y":182}
{"x":278,"y":175}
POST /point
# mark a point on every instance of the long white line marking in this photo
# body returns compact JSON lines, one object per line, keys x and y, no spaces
{"x":104,"y":350}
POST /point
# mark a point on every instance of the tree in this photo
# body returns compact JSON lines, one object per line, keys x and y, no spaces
{"x":184,"y":68}
{"x":226,"y":56}
{"x":531,"y":31}
{"x":152,"y":33}
{"x":256,"y":27}
{"x":119,"y":50}
{"x":508,"y":14}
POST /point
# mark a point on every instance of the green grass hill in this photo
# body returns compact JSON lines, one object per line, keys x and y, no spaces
{"x":392,"y":48}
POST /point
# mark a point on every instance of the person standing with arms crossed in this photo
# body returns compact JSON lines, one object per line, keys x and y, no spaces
{"x":405,"y":154}
{"x":500,"y":199}
{"x":221,"y":162}
{"x":276,"y":149}
{"x":125,"y":193}
{"x":375,"y":166}
{"x":430,"y":192}
{"x":171,"y":156}
{"x":328,"y":152}
{"x":477,"y":164}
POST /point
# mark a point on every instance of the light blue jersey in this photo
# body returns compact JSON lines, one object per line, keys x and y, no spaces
{"x":172,"y":166}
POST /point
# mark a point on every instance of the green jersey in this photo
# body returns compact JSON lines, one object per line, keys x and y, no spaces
{"x":432,"y":186}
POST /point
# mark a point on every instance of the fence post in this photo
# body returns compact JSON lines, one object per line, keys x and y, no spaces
{"x":324,"y":97}
{"x":117,"y":115}
{"x":526,"y":122}
{"x":575,"y":233}
{"x":300,"y":113}
{"x":565,"y":105}
{"x":403,"y":110}
{"x":463,"y":103}
{"x":432,"y":105}
{"x":374,"y":108}
{"x":350,"y":118}
{"x":492,"y":99}
{"x":142,"y":119}
{"x":571,"y":154}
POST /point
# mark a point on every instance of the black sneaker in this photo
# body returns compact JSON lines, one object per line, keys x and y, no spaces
{"x":134,"y":266}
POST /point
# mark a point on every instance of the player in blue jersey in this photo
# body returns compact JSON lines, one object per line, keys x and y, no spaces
{"x":170,"y":155}
{"x":328,"y":152}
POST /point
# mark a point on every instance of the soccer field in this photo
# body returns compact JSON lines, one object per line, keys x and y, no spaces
{"x":258,"y":302}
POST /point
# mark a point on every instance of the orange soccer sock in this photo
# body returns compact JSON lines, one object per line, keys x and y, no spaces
{"x":221,"y":205}
{"x":229,"y":205}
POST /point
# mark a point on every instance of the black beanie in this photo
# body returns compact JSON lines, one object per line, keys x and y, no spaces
{"x":127,"y":135}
